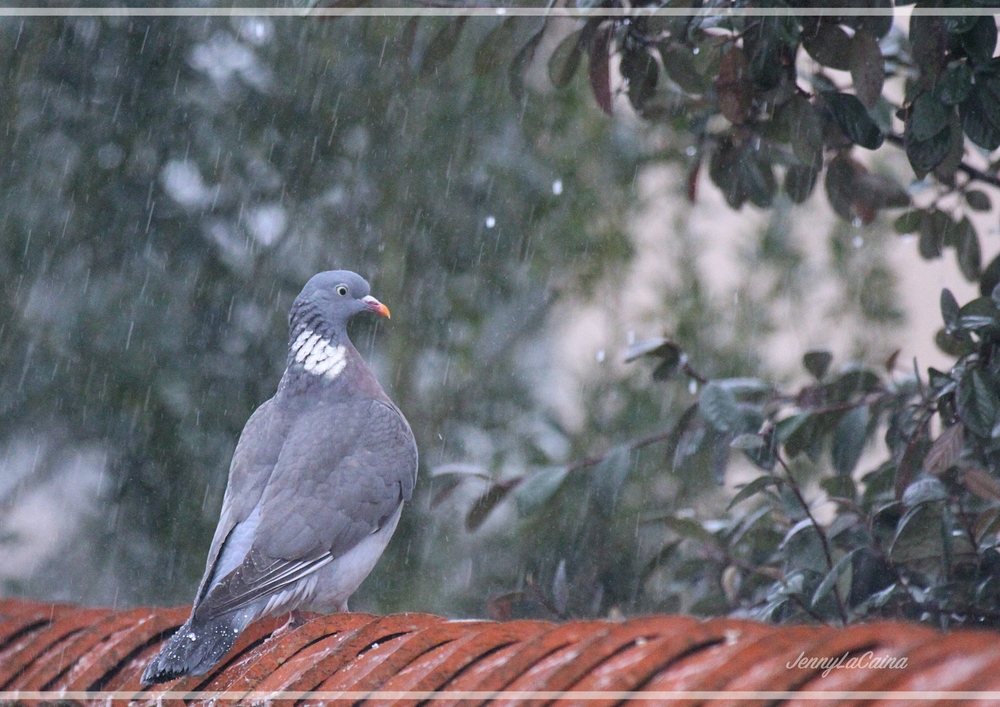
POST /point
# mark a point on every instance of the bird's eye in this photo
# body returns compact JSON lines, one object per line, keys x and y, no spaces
{"x":342,"y":290}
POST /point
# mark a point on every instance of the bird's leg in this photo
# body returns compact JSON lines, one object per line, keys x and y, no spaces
{"x":295,"y":619}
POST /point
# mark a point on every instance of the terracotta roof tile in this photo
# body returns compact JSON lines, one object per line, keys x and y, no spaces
{"x":97,"y":654}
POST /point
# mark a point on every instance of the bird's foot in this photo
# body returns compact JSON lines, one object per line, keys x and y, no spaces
{"x":295,"y":619}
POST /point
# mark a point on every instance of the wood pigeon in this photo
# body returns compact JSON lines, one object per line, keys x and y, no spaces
{"x":316,"y":486}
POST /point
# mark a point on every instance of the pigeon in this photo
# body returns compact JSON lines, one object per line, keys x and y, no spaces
{"x":316,"y":486}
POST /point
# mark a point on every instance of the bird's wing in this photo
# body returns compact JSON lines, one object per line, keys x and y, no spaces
{"x":253,"y":461}
{"x":341,"y":475}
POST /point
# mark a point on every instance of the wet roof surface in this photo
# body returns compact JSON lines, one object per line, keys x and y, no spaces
{"x":46,"y":647}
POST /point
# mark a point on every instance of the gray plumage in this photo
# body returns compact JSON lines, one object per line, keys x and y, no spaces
{"x":316,"y":486}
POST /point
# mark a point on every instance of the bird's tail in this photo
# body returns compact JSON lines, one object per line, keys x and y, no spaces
{"x":196,"y":647}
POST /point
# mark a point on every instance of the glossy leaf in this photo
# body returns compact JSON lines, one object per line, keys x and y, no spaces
{"x":945,"y":451}
{"x":641,"y":73}
{"x":522,"y":60}
{"x":442,"y":45}
{"x":485,"y":504}
{"x":830,"y":580}
{"x":849,"y":440}
{"x":817,"y":363}
{"x":969,"y":253}
{"x":927,"y":118}
{"x":978,"y":200}
{"x":718,"y":407}
{"x":955,"y":85}
{"x":853,"y":119}
{"x":927,"y":490}
{"x":867,"y":68}
{"x":565,"y":60}
{"x":909,"y":222}
{"x":800,"y":180}
{"x":537,"y":488}
{"x":950,"y":311}
{"x":607,"y":479}
{"x":978,"y":402}
{"x":491,"y":51}
{"x":733,"y":87}
{"x":925,"y":155}
{"x":829,"y":45}
{"x":754,"y":487}
{"x":982,"y":483}
{"x":980,"y":112}
{"x":980,"y":40}
{"x":600,"y":68}
{"x":679,"y":65}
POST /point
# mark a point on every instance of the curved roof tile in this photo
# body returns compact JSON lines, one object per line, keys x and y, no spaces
{"x":93,"y":655}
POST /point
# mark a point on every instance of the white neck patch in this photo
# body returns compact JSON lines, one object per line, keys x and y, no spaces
{"x":318,"y":356}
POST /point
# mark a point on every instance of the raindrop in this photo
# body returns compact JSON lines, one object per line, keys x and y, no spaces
{"x":557,"y":187}
{"x":696,"y":50}
{"x":501,"y":11}
{"x":600,"y":355}
{"x":690,"y":150}
{"x":857,"y":241}
{"x":856,"y":222}
{"x":692,"y":386}
{"x":490,"y":222}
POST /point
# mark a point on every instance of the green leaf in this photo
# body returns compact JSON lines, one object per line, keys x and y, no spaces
{"x":909,"y":222}
{"x":990,"y":277}
{"x":853,"y":119}
{"x":599,"y":68}
{"x":799,"y":433}
{"x":950,"y":311}
{"x":849,"y":440}
{"x":981,"y":40}
{"x":747,"y":441}
{"x":800,"y":180}
{"x":927,"y":117}
{"x":918,"y":537}
{"x":520,"y":63}
{"x":979,"y":314}
{"x":491,"y":51}
{"x":829,"y":45}
{"x":867,"y":68}
{"x":830,"y":580}
{"x":978,"y":200}
{"x":817,"y":363}
{"x":926,"y":490}
{"x":945,"y":451}
{"x":685,"y":527}
{"x":442,"y":45}
{"x":565,"y":60}
{"x":607,"y":479}
{"x":977,"y":402}
{"x":485,"y":504}
{"x":839,"y":487}
{"x":955,"y":85}
{"x":679,"y":64}
{"x":980,"y":112}
{"x":852,"y":383}
{"x":641,"y":73}
{"x":754,"y":487}
{"x":925,"y":155}
{"x":537,"y":488}
{"x":658,"y":347}
{"x":718,"y":407}
{"x":969,"y":254}
{"x":799,"y":124}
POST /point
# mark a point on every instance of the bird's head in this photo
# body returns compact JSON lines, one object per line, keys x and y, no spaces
{"x":330,"y":299}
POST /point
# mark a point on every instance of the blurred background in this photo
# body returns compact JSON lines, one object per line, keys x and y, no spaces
{"x":170,"y":183}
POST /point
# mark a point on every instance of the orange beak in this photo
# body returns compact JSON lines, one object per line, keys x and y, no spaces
{"x":374,"y":305}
